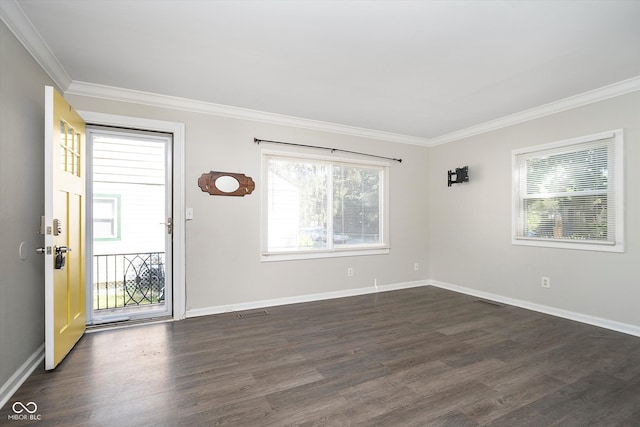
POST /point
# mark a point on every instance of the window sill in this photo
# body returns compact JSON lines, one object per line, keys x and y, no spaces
{"x":292,"y":256}
{"x":560,"y":244}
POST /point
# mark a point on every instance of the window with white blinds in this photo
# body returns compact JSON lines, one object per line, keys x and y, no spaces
{"x":569,"y":193}
{"x":317,"y":207}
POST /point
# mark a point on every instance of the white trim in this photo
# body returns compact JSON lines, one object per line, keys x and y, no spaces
{"x":17,"y":21}
{"x":335,"y":253}
{"x":178,"y":131}
{"x":518,"y":187}
{"x":302,"y":298}
{"x":534,"y":150}
{"x":380,"y":248}
{"x":19,"y":377}
{"x":108,"y":92}
{"x":184,"y":104}
{"x":14,"y":17}
{"x":49,"y":101}
{"x":565,"y":314}
{"x":616,"y":89}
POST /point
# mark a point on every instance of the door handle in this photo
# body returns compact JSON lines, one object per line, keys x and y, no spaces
{"x":169,"y":225}
{"x":61,"y":259}
{"x":47,"y":250}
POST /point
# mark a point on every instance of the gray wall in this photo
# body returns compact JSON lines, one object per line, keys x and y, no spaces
{"x":459,"y":235}
{"x":470,"y":223}
{"x":223,"y":241}
{"x":22,"y":84}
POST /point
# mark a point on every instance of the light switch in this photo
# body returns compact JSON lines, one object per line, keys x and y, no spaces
{"x":189,"y":214}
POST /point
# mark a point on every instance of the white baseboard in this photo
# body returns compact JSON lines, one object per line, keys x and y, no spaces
{"x":583,"y":318}
{"x":578,"y":317}
{"x":302,"y":298}
{"x":9,"y":388}
{"x":12,"y":385}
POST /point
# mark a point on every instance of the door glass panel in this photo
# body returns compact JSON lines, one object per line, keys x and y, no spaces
{"x":69,"y":149}
{"x":76,"y":151}
{"x":131,"y":247}
{"x":63,"y":146}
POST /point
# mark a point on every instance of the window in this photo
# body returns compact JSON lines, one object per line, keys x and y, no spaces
{"x":316,"y":207}
{"x":106,"y":217}
{"x":569,"y":194}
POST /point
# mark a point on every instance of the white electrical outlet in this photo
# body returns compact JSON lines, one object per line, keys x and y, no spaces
{"x":416,"y":266}
{"x":350,"y":272}
{"x":545,"y":282}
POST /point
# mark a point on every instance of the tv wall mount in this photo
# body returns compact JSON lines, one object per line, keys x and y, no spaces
{"x":459,"y":176}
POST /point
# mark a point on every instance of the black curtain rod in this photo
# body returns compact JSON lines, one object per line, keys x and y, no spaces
{"x":258,"y":141}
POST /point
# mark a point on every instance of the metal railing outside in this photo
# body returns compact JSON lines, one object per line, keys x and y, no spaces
{"x":126,"y":280}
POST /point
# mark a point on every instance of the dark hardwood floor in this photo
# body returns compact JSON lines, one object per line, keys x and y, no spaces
{"x":415,"y":357}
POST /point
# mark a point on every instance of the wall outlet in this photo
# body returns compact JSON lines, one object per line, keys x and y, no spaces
{"x":545,"y":282}
{"x":350,"y":272}
{"x":416,"y":266}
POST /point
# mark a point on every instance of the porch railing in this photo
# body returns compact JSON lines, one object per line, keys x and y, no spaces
{"x":125,"y":280}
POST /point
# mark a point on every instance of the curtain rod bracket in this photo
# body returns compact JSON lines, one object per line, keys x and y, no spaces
{"x":333,"y":150}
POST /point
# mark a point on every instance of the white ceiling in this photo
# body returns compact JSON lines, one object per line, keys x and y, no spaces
{"x":417,"y":68}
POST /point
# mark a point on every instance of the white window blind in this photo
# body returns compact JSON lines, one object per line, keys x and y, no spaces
{"x":568,"y":191}
{"x":315,"y":205}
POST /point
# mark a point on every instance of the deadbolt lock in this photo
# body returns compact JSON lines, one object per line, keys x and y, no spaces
{"x":57,"y":227}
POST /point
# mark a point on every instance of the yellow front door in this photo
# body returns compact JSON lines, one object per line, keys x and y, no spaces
{"x":63,"y":227}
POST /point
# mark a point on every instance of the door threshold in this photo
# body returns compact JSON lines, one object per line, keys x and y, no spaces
{"x":99,"y":321}
{"x":124,"y":322}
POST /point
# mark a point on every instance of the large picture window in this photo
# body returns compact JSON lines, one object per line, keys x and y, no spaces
{"x":323,"y":206}
{"x":569,"y":194}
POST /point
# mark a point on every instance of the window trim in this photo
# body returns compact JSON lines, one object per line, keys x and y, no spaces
{"x":117,"y":198}
{"x":334,"y":252}
{"x":617,"y":179}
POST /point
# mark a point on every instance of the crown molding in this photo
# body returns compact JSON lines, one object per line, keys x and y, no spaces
{"x":15,"y":19}
{"x":610,"y":91}
{"x":184,"y":104}
{"x":164,"y":101}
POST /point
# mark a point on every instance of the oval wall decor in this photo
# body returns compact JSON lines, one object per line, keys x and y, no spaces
{"x":226,"y":184}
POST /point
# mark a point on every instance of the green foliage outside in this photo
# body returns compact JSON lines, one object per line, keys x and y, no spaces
{"x":567,"y":195}
{"x":356,"y":200}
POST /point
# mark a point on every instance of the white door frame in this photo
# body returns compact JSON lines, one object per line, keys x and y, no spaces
{"x":178,"y":131}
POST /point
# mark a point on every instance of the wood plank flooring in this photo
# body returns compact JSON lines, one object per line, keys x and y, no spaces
{"x":415,"y":357}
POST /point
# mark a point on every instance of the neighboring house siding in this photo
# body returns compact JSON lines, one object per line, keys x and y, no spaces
{"x":133,"y":173}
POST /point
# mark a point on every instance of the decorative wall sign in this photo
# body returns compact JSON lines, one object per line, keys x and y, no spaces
{"x":226,"y":184}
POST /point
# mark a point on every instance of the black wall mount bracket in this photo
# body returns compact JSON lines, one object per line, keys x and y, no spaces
{"x":459,"y":176}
